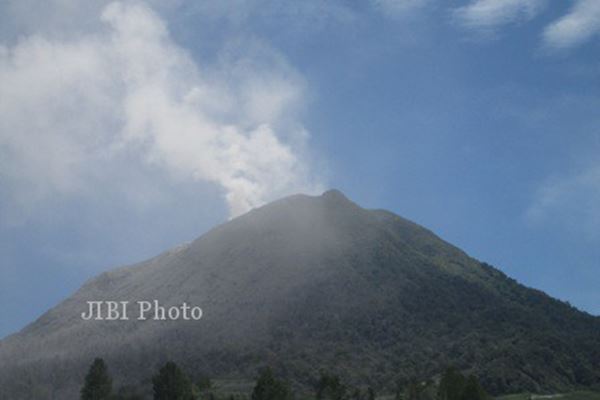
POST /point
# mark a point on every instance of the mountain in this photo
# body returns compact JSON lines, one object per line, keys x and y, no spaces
{"x":308,"y":283}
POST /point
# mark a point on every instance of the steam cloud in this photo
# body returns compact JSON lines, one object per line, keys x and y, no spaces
{"x":68,"y":108}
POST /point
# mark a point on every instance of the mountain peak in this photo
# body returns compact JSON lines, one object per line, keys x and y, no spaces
{"x":334,"y":195}
{"x":302,"y":207}
{"x":313,"y":282}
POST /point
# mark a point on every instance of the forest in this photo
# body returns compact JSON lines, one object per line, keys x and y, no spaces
{"x":172,"y":383}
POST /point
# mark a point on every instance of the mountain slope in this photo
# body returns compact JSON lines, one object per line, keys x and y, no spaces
{"x":306,"y":283}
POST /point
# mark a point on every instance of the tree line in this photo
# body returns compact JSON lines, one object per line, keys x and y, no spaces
{"x":172,"y":383}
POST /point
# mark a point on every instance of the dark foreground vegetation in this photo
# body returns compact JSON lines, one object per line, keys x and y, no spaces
{"x":171,"y":383}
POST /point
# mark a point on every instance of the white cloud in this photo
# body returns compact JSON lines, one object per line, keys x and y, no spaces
{"x":399,"y":7}
{"x":72,"y":108}
{"x":572,"y":201}
{"x":490,"y":14}
{"x":580,"y":24}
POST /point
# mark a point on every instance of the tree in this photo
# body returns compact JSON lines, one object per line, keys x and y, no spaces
{"x":473,"y":390}
{"x":451,"y":385}
{"x":413,"y":390}
{"x":202,"y":388}
{"x":269,"y":388}
{"x":370,"y":393}
{"x":330,"y":387}
{"x":204,"y":383}
{"x":356,"y":394}
{"x":171,"y":383}
{"x":98,"y":383}
{"x":398,"y":393}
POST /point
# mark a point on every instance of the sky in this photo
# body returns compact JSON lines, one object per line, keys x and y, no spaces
{"x":127,"y":128}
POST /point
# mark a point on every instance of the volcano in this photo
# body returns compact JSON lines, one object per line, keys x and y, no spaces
{"x":310,"y":283}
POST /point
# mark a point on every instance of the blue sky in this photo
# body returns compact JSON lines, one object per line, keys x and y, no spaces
{"x":128,"y":128}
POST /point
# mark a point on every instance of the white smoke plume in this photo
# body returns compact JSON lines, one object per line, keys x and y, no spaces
{"x":70,"y":107}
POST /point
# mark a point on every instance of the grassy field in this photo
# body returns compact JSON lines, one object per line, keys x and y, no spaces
{"x":232,"y":387}
{"x":581,"y":395}
{"x":241,"y":389}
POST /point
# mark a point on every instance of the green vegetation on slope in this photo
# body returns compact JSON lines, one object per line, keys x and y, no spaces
{"x":308,"y":283}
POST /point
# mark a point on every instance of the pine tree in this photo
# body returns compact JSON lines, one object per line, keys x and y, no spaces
{"x":202,"y":388}
{"x":473,"y":390}
{"x":98,"y":384}
{"x":398,"y":394}
{"x":370,"y":393}
{"x":452,"y":385}
{"x":204,"y":383}
{"x":413,"y":391}
{"x":171,"y":383}
{"x":356,"y":394}
{"x":269,"y":388}
{"x":330,"y":387}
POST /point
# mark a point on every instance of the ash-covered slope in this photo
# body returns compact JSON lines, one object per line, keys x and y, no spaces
{"x":306,"y":283}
